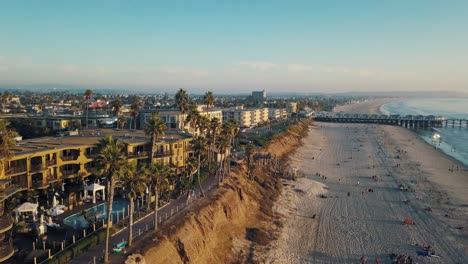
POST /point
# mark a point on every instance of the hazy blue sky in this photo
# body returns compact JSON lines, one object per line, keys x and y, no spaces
{"x":231,"y":46}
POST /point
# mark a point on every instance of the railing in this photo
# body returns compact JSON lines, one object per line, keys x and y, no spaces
{"x":67,"y":158}
{"x":91,"y":169}
{"x":6,"y":222}
{"x":138,"y":154}
{"x":69,"y":172}
{"x":91,"y":155}
{"x":38,"y":167}
{"x":39,"y":184}
{"x":163,"y":153}
{"x":6,"y":250}
{"x":51,"y":162}
{"x":16,"y":170}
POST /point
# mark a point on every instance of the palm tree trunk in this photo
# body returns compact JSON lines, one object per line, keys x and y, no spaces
{"x":130,"y":221}
{"x":156,"y":208}
{"x":148,"y":199}
{"x":87,"y":115}
{"x":110,"y":199}
{"x":198,"y":176}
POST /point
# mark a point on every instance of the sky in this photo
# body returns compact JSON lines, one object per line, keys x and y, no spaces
{"x":236,"y":46}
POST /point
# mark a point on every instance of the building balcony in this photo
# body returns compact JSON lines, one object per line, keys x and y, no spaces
{"x":51,"y":163}
{"x":69,"y":158}
{"x":160,"y":154}
{"x":91,"y":169}
{"x":69,"y":173}
{"x":139,"y":154}
{"x":6,"y":250}
{"x":16,"y":170}
{"x":38,"y":168}
{"x":6,"y":223}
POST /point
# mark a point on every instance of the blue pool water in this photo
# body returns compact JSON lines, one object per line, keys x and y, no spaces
{"x":98,"y":212}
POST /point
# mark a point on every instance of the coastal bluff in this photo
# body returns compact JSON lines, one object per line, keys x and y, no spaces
{"x":233,"y":222}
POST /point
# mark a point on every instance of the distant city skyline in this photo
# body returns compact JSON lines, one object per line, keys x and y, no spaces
{"x":236,"y":47}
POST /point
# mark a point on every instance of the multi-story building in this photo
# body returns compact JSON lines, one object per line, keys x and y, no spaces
{"x":246,"y":117}
{"x":40,"y":162}
{"x":259,"y":96}
{"x":277,"y":113}
{"x":239,"y":114}
{"x":292,"y":107}
{"x":174,"y":119}
{"x":6,"y":228}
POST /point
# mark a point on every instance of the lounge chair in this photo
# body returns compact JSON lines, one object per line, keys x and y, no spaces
{"x":120,"y":247}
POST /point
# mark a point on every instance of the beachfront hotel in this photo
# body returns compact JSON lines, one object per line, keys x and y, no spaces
{"x":49,"y":163}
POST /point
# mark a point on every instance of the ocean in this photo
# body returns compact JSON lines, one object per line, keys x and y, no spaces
{"x":451,"y":140}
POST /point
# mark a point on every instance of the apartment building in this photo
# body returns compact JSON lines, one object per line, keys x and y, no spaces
{"x":174,"y":119}
{"x":277,"y":113}
{"x":40,"y":162}
{"x":246,"y":117}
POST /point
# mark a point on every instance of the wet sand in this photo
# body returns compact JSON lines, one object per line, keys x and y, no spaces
{"x":366,"y":223}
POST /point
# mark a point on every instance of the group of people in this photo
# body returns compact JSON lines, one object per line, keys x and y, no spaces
{"x":400,"y":259}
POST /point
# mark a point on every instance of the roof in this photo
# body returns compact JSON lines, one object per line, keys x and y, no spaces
{"x":90,"y":137}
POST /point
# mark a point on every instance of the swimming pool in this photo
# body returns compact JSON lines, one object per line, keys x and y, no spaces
{"x":85,"y":218}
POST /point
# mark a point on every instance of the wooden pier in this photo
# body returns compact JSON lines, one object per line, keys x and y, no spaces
{"x":409,"y":121}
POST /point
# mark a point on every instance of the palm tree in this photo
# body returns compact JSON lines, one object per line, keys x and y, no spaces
{"x":158,"y":175}
{"x":214,"y":129}
{"x":154,"y":127}
{"x":134,"y":182}
{"x":182,"y":101}
{"x":231,"y":130}
{"x":110,"y":160}
{"x":87,"y":95}
{"x":7,"y":142}
{"x":5,"y":97}
{"x":116,"y":106}
{"x":222,"y":146}
{"x":121,"y":121}
{"x":193,"y":117}
{"x":199,"y":146}
{"x":208,"y":99}
{"x":135,"y":107}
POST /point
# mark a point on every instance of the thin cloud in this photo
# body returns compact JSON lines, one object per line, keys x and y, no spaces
{"x":258,"y":65}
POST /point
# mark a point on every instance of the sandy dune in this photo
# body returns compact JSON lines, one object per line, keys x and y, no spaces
{"x":370,"y":223}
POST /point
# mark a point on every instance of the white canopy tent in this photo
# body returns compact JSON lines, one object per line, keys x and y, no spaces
{"x":94,"y":188}
{"x":26,"y":208}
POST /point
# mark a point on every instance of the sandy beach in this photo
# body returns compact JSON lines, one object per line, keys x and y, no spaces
{"x":347,"y":221}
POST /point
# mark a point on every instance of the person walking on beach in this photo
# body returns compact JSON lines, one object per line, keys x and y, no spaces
{"x":363,"y":260}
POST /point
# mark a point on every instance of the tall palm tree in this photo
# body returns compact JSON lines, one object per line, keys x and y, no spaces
{"x":199,"y":146}
{"x":5,"y":97}
{"x":154,"y":128}
{"x":135,"y":107}
{"x":158,"y":175}
{"x":231,"y":130}
{"x":193,"y":117}
{"x":134,"y":182}
{"x":214,"y":129}
{"x":7,"y":142}
{"x":182,"y":101}
{"x":87,"y":95}
{"x":7,"y":139}
{"x":121,"y":121}
{"x":116,"y":106}
{"x":110,"y":160}
{"x":222,"y":145}
{"x":208,"y":99}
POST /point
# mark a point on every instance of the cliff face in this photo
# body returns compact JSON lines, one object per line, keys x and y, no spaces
{"x":228,"y":226}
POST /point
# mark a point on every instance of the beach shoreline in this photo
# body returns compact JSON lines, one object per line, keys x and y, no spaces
{"x":395,"y":155}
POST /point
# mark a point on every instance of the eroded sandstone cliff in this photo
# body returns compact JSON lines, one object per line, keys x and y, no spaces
{"x":232,"y":223}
